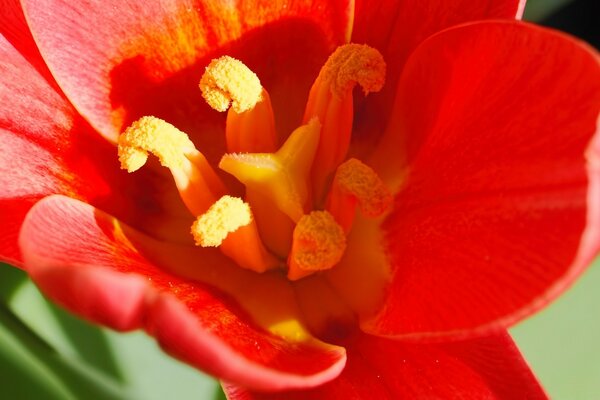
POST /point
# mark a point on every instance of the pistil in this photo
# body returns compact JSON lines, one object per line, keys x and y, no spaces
{"x":282,"y":176}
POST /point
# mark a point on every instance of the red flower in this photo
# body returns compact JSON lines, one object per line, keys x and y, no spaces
{"x":485,"y":132}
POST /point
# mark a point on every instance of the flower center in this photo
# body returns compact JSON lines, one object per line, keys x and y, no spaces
{"x":301,"y":197}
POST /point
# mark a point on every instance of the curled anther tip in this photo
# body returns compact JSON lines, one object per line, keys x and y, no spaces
{"x":152,"y":135}
{"x":227,"y":81}
{"x":353,"y":64}
{"x":363,"y":183}
{"x":225,"y":216}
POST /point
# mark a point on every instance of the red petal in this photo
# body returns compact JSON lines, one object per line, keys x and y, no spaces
{"x":484,"y":368}
{"x":81,"y":259}
{"x":499,"y":209}
{"x":396,"y":28}
{"x":125,"y":59}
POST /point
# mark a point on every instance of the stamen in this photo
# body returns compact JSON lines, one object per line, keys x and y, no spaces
{"x":351,"y":64}
{"x":151,"y":134}
{"x":330,"y":100}
{"x":229,"y":225}
{"x":197,"y":182}
{"x":250,"y":126}
{"x":228,"y":81}
{"x":318,"y":244}
{"x":225,"y":216}
{"x":281,"y":176}
{"x":355,"y":182}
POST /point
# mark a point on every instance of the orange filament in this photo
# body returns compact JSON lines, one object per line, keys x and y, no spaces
{"x":318,"y":244}
{"x":282,"y":176}
{"x":355,"y":182}
{"x":244,"y":246}
{"x":252,"y":131}
{"x":330,"y":100}
{"x":198,"y":184}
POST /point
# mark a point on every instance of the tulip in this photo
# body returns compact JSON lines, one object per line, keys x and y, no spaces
{"x":207,"y":172}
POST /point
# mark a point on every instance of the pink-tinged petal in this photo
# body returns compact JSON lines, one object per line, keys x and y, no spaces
{"x":498,"y":208}
{"x":484,"y":368}
{"x":81,"y":258}
{"x":396,"y":28}
{"x":14,"y":30}
{"x":125,"y":59}
{"x":46,"y":148}
{"x":33,"y":118}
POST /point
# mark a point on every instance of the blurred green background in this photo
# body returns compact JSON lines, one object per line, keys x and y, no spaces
{"x":46,"y":353}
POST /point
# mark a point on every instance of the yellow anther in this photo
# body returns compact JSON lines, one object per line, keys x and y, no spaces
{"x":318,"y":244}
{"x":358,"y":179}
{"x":228,"y":81}
{"x":282,"y":176}
{"x":151,"y":134}
{"x":351,"y":64}
{"x":227,"y":215}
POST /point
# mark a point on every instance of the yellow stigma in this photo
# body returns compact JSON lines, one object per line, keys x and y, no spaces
{"x":357,"y":179}
{"x":227,"y":215}
{"x":351,"y":64}
{"x":228,"y":81}
{"x":318,"y":244}
{"x":282,"y":176}
{"x":151,"y":134}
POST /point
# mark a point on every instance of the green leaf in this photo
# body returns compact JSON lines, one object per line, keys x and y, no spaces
{"x":28,"y":357}
{"x":537,"y":10}
{"x":88,"y":341}
{"x":219,"y":394}
{"x":23,"y":375}
{"x":11,"y":279}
